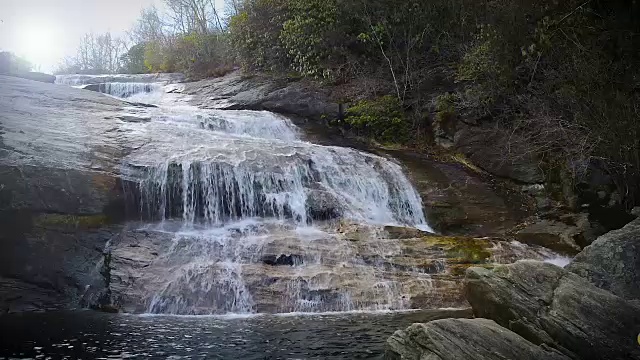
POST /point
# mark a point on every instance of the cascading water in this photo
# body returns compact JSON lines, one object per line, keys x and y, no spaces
{"x":240,"y":199}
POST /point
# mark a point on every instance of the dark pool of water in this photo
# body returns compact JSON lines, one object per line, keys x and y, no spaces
{"x":92,"y":335}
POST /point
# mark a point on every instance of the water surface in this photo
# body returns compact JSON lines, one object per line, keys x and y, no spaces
{"x":92,"y":335}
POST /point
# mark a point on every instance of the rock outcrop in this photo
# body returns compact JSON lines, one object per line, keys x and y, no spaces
{"x":555,"y":314}
{"x":464,"y":339}
{"x":283,"y":270}
{"x":482,"y":147}
{"x":60,"y":191}
{"x":241,"y":91}
{"x":551,"y":234}
{"x":549,"y":305}
{"x":612,"y":262}
{"x":35,"y":76}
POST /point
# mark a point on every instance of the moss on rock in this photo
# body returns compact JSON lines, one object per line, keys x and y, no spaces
{"x":67,"y":221}
{"x":462,"y":250}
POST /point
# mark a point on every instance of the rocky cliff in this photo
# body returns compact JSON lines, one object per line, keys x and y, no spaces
{"x":60,"y":190}
{"x":543,"y":311}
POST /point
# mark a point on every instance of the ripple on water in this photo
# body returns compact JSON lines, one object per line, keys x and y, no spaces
{"x":86,"y":334}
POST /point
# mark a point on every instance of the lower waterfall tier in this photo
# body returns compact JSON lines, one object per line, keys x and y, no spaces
{"x":258,"y":267}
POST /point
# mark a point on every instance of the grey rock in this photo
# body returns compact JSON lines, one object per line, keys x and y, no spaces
{"x":463,"y":339}
{"x":553,"y":235}
{"x":546,"y":304}
{"x":482,"y":147}
{"x":240,"y":91}
{"x":35,"y":76}
{"x":612,"y":262}
{"x":49,"y":266}
{"x":322,"y":205}
{"x":134,"y":118}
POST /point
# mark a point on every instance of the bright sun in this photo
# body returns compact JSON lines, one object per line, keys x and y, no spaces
{"x":37,"y":43}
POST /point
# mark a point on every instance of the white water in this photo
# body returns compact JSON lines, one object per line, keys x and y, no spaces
{"x":230,"y":186}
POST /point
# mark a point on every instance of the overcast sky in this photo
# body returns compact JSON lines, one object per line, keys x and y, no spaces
{"x":44,"y":31}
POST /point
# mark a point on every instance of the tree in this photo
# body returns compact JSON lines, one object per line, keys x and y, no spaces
{"x":132,"y":62}
{"x":96,"y":54}
{"x":12,"y":64}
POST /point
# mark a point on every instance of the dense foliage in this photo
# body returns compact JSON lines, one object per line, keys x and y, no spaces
{"x":558,"y":80}
{"x":555,"y":80}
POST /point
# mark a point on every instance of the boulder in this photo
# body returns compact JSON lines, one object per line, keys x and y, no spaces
{"x":482,"y":147}
{"x":322,"y":205}
{"x":548,"y":305}
{"x":463,"y":339}
{"x":551,"y":234}
{"x":612,"y":262}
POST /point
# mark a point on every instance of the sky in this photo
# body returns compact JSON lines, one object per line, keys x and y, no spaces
{"x":45,"y":31}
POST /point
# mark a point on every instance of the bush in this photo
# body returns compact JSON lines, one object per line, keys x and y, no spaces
{"x":196,"y":55}
{"x":382,"y":119}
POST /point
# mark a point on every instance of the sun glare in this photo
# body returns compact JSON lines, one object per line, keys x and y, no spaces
{"x":38,"y":44}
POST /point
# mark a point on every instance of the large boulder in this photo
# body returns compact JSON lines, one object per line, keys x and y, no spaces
{"x":463,"y":339}
{"x":612,"y":262}
{"x":482,"y":147}
{"x":548,"y":305}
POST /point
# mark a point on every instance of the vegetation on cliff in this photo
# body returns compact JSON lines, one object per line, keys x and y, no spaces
{"x":553,"y":81}
{"x":557,"y":81}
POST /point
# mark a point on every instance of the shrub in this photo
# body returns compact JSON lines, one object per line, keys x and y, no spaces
{"x":382,"y":119}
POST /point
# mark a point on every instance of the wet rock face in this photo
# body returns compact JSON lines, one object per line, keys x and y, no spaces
{"x":47,"y":261}
{"x":612,"y":262}
{"x":322,"y":205}
{"x":548,"y":305}
{"x":60,"y":191}
{"x":270,"y":268}
{"x":463,"y":339}
{"x":461,"y":200}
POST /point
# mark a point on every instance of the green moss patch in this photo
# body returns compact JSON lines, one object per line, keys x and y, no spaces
{"x":64,"y":221}
{"x":462,"y":250}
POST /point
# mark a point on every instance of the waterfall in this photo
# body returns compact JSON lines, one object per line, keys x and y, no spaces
{"x":238,"y":201}
{"x":359,"y":186}
{"x":126,"y":89}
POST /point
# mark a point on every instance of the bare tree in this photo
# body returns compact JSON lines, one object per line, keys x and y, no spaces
{"x":200,"y":16}
{"x":150,"y":27}
{"x":96,"y":54}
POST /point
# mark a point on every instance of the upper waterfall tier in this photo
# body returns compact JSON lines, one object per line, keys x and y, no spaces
{"x":211,"y":167}
{"x":78,"y":79}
